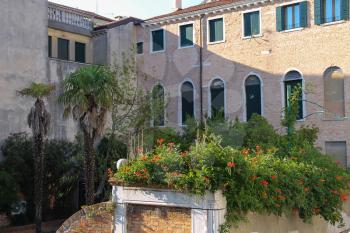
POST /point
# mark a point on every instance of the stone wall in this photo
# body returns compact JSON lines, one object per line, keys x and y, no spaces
{"x":92,"y":219}
{"x":157,"y":219}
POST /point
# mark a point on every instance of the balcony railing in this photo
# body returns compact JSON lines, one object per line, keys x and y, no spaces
{"x":63,"y":16}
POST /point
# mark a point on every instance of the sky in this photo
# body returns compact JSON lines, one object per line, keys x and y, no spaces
{"x":138,"y":8}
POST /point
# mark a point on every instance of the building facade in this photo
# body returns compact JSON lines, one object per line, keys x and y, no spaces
{"x":237,"y":58}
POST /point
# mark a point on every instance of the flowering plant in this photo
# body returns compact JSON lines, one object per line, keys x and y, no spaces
{"x":251,"y":179}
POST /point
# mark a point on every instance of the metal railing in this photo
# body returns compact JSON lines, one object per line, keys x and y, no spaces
{"x":63,"y":16}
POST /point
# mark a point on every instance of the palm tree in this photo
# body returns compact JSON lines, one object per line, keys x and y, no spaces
{"x":39,"y":121}
{"x":87,"y":95}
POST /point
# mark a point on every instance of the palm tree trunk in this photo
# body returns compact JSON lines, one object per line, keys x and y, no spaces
{"x":89,"y":168}
{"x":38,"y":180}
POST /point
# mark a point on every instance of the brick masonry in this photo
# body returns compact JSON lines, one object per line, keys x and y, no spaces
{"x":149,"y":219}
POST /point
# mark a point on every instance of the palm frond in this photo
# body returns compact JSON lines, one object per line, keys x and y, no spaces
{"x":37,"y":90}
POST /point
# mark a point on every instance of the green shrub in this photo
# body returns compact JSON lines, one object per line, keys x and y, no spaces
{"x":8,"y":191}
{"x":251,"y":179}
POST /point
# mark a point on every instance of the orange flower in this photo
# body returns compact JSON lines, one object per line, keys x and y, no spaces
{"x":322,"y":180}
{"x":344,"y":197}
{"x":264,"y":183}
{"x":139,"y":150}
{"x":339,"y":178}
{"x":254,"y":159}
{"x":171,"y":144}
{"x":231,"y":164}
{"x":258,"y":148}
{"x":155,"y":159}
{"x":274,"y":177}
{"x":245,"y":152}
{"x":306,"y":189}
{"x":281,"y":198}
{"x":253,"y":178}
{"x":184,"y":154}
{"x":160,"y":141}
{"x":206,"y":179}
{"x":278,"y":191}
{"x":334,"y":191}
{"x":143,"y":158}
{"x":316,"y":210}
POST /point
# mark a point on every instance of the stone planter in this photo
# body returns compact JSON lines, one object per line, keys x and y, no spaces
{"x":160,"y":210}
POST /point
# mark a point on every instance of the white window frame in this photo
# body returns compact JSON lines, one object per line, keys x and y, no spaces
{"x":223,"y":28}
{"x":260,"y":26}
{"x":179,"y":35}
{"x":244,"y":95}
{"x":302,"y":88}
{"x":209,"y":96}
{"x":179,"y":110}
{"x":151,"y":40}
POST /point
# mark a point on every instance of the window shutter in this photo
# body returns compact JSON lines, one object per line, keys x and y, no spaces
{"x":318,"y":12}
{"x":247,"y":25}
{"x":279,"y":20}
{"x":344,"y":12}
{"x":303,"y":14}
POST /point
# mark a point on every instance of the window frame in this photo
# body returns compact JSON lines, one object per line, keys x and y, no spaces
{"x":193,"y":37}
{"x":58,"y":49}
{"x":324,"y":10}
{"x":143,"y":48}
{"x":179,"y":112}
{"x":284,"y":6}
{"x":223,"y":30}
{"x":283,"y":94}
{"x":209,"y":96}
{"x":260,"y":21}
{"x":151,"y":41}
{"x":165,"y":108}
{"x":75,"y":51}
{"x":244,"y":94}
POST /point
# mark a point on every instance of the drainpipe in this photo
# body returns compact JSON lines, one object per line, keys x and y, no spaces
{"x":201,"y":68}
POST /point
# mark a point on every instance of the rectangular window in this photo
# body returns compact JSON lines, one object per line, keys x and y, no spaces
{"x":50,"y":46}
{"x":186,"y":35}
{"x":80,"y":52}
{"x":157,"y":40}
{"x":139,"y":48}
{"x":291,"y":16}
{"x":338,"y":152}
{"x":216,"y":30}
{"x":251,"y":23}
{"x":63,"y":49}
{"x":331,"y":10}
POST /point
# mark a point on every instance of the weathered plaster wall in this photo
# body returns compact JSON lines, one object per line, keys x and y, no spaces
{"x":311,"y":51}
{"x":23,"y":59}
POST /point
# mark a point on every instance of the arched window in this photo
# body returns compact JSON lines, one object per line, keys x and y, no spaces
{"x":292,"y":81}
{"x":187,"y":101}
{"x":334,"y":104}
{"x":217,"y":98}
{"x":252,"y":95}
{"x":158,"y":105}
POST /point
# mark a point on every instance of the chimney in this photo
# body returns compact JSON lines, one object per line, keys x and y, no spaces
{"x":178,"y":4}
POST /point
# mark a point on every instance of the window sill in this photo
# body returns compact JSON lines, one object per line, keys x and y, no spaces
{"x":216,"y":42}
{"x":332,"y":23}
{"x":252,"y":37}
{"x":292,"y":30}
{"x":160,"y":51}
{"x":186,"y":47}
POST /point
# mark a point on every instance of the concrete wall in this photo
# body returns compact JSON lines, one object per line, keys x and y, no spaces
{"x":23,"y":59}
{"x":310,"y":51}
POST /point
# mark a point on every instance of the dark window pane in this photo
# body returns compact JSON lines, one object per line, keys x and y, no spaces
{"x":80,"y":52}
{"x":158,"y":106}
{"x":187,"y":100}
{"x":216,"y":30}
{"x":292,"y":81}
{"x":186,"y":35}
{"x":63,"y":49}
{"x":252,"y":23}
{"x":139,"y":48}
{"x":158,"y":40}
{"x":253,"y":96}
{"x":50,"y":46}
{"x":217,"y":93}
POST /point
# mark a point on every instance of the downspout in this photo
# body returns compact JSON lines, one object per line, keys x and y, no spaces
{"x":201,"y":68}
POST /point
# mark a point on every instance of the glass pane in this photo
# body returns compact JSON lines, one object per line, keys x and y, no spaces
{"x":247,"y":25}
{"x":337,"y":9}
{"x":158,"y":40}
{"x":290,"y":87}
{"x":187,"y":99}
{"x":63,"y":49}
{"x":289,"y":17}
{"x":328,"y":9}
{"x":255,"y":21}
{"x":217,"y":93}
{"x":79,"y":52}
{"x":296,"y":16}
{"x":253,"y":96}
{"x":186,"y":35}
{"x":139,"y":47}
{"x":50,"y":46}
{"x":216,"y":30}
{"x":158,"y":106}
